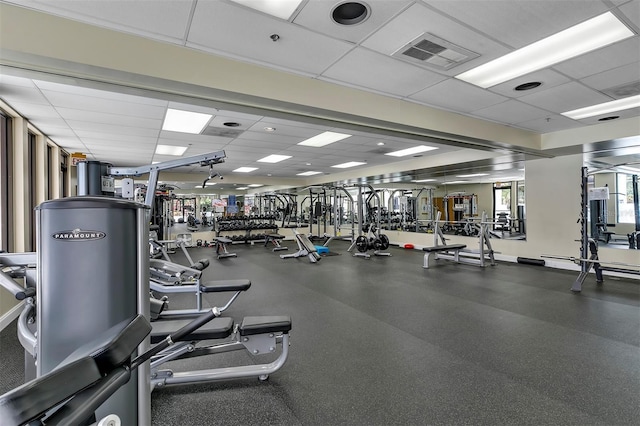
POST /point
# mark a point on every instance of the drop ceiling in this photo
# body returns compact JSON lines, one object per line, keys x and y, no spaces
{"x":124,"y":129}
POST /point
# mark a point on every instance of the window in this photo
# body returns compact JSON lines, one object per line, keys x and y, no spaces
{"x":64,"y":174}
{"x":624,"y":194}
{"x":48,"y":190}
{"x":6,"y":182}
{"x":32,"y":176}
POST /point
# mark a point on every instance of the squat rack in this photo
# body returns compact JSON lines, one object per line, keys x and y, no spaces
{"x":588,"y":246}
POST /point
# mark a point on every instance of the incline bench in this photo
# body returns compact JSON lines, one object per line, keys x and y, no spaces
{"x":305,"y":248}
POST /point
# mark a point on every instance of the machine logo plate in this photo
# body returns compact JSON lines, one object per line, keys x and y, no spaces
{"x":79,"y":235}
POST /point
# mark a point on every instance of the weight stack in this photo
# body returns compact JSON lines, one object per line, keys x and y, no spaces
{"x":90,"y":255}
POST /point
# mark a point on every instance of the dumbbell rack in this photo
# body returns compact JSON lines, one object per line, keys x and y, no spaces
{"x":245,"y":228}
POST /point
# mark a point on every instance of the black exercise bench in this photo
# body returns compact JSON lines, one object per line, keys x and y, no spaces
{"x":221,"y":247}
{"x":453,"y":249}
{"x":275,"y":240}
{"x":258,"y":335}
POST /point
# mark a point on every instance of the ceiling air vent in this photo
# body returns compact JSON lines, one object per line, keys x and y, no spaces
{"x":624,"y":90}
{"x":434,"y":52}
{"x":226,"y":132}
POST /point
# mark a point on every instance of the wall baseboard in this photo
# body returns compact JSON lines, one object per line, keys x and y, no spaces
{"x":12,"y":314}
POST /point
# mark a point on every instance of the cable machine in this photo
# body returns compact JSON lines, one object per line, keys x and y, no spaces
{"x":373,"y":239}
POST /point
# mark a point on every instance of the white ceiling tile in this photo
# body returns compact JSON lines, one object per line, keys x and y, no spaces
{"x":364,"y":68}
{"x":549,"y":123}
{"x":93,"y":134}
{"x":100,"y":117}
{"x":615,"y":77}
{"x":613,"y":56}
{"x":564,"y":98}
{"x":33,"y":111}
{"x":215,"y":27}
{"x":114,"y":129}
{"x":533,"y":19}
{"x":316,"y":15}
{"x":547,"y":77}
{"x":419,"y":19}
{"x":13,"y":94}
{"x":511,"y":111}
{"x":88,"y":103}
{"x":631,"y":11}
{"x":9,"y":80}
{"x":157,"y":18}
{"x":457,"y":95}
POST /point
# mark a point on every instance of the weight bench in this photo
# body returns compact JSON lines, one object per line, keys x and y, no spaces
{"x":305,"y":248}
{"x":258,"y":335}
{"x":275,"y":239}
{"x":453,"y":249}
{"x":221,"y":247}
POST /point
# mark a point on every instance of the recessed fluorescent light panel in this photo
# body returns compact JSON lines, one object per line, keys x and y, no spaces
{"x":456,"y":181}
{"x":211,"y":183}
{"x":255,"y":185}
{"x":473,"y":175}
{"x":423,"y":180}
{"x":245,"y":169}
{"x":282,"y":9}
{"x":170,"y":150}
{"x":274,"y":158}
{"x":242,"y":188}
{"x":582,"y":38}
{"x":324,"y":139}
{"x":605,"y":108}
{"x":308,"y":173}
{"x":410,"y":151}
{"x":185,"y":121}
{"x":349,"y":164}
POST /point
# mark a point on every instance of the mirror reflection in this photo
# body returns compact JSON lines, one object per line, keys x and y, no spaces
{"x":466,"y":203}
{"x":613,"y":218}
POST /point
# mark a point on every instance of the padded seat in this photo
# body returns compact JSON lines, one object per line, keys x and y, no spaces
{"x":37,"y":396}
{"x":444,"y":248}
{"x":265,"y":324}
{"x":223,"y":240}
{"x":274,"y":237}
{"x":226,"y":285}
{"x":217,"y":328}
{"x":81,"y":369}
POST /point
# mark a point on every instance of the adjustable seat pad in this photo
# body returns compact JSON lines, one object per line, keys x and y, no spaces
{"x":83,"y":367}
{"x":217,"y":328}
{"x":275,"y":236}
{"x":225,"y":285}
{"x":265,"y":324}
{"x":223,"y":240}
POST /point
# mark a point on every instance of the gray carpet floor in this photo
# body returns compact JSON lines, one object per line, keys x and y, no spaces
{"x":385,"y":342}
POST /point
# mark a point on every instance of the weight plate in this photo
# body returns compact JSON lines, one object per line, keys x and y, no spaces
{"x":362,"y":243}
{"x":384,"y":242}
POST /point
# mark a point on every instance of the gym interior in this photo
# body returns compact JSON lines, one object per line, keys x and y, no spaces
{"x":369,"y":226}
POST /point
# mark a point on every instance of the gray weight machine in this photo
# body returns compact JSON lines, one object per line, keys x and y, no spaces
{"x":373,"y":239}
{"x":92,"y":264}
